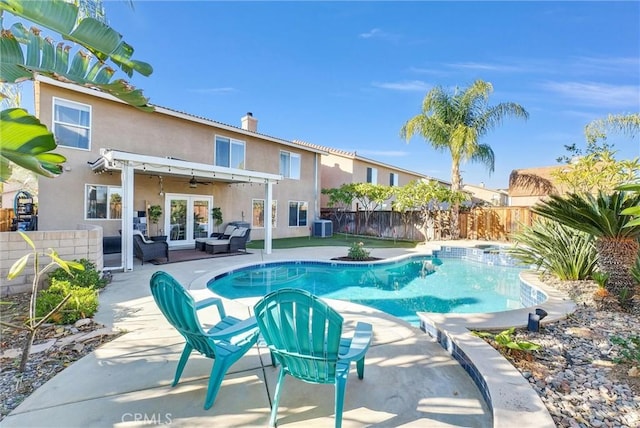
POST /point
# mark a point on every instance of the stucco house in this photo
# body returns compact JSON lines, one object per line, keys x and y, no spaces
{"x":530,"y":185}
{"x":339,"y":166}
{"x":121,"y":161}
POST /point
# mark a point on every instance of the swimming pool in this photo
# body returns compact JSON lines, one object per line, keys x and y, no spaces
{"x":400,"y":288}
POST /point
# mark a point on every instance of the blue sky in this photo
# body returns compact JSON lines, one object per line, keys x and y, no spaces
{"x":349,"y":74}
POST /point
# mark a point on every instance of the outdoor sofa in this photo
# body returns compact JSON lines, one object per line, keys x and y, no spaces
{"x":237,"y":241}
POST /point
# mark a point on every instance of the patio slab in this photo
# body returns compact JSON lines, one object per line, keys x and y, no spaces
{"x":410,"y":380}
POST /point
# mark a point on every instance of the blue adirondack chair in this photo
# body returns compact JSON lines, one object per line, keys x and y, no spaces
{"x":226,"y":342}
{"x":304,"y":335}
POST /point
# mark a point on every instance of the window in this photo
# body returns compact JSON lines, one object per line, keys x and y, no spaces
{"x":297,"y":213}
{"x":229,"y":152}
{"x":372,"y":175}
{"x":72,"y":124}
{"x":393,"y":179}
{"x":103,"y":202}
{"x":257,"y":218}
{"x":290,"y":165}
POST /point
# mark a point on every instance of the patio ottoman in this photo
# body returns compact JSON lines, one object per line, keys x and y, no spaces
{"x":217,"y":246}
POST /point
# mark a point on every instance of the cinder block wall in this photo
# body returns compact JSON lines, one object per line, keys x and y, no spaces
{"x":83,"y":243}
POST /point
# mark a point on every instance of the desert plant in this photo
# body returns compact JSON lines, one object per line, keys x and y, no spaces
{"x":616,"y":240}
{"x":87,"y":278}
{"x":507,"y":339}
{"x":556,"y":249}
{"x":82,"y":303}
{"x":358,"y":252}
{"x":629,"y":349}
{"x":33,"y":324}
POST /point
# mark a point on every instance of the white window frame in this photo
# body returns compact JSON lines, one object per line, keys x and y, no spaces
{"x":110,"y":191}
{"x":292,"y":170}
{"x":374,"y":175}
{"x":299,"y":205}
{"x":232,"y":142}
{"x":71,"y":104}
{"x":274,"y":213}
{"x":394,"y":179}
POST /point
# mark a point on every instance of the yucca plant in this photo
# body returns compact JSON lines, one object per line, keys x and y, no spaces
{"x":568,"y":254}
{"x":601,"y":216}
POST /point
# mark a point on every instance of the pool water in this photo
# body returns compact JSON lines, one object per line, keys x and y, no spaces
{"x":447,"y":285}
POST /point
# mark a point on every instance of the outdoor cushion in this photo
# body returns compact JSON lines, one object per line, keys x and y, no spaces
{"x":229,"y":230}
{"x":239,"y":231}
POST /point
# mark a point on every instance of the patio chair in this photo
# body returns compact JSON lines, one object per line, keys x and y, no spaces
{"x":201,"y":243}
{"x":237,"y":241}
{"x":226,"y":342}
{"x":304,"y":335}
{"x":147,"y":250}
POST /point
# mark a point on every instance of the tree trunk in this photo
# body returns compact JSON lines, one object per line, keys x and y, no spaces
{"x":616,"y":257}
{"x":26,"y":349}
{"x":456,"y":185}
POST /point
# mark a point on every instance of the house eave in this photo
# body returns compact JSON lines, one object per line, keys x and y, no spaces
{"x":111,"y":160}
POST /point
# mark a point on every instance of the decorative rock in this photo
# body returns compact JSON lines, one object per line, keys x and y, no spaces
{"x":83,"y":322}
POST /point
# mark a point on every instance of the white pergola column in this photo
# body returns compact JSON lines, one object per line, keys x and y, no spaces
{"x":268,"y":217}
{"x":126,"y":177}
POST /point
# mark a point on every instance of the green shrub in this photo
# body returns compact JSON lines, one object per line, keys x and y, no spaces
{"x":358,"y":252}
{"x":557,"y":249}
{"x":82,"y":304}
{"x":629,"y":349}
{"x":88,"y":278}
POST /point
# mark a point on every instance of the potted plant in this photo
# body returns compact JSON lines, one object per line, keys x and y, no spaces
{"x":216,"y":214}
{"x":155,"y":211}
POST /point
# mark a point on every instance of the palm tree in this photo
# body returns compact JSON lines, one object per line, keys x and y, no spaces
{"x":26,"y":141}
{"x":456,"y":122}
{"x":616,"y":240}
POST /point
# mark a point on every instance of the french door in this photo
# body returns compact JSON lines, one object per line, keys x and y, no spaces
{"x":189,"y":217}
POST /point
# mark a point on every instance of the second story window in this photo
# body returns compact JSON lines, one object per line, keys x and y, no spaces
{"x":229,"y":152}
{"x":72,"y":124}
{"x":290,"y":165}
{"x":393,"y":179}
{"x":372,"y":175}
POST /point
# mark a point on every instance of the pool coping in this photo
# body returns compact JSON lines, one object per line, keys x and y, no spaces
{"x":512,"y":400}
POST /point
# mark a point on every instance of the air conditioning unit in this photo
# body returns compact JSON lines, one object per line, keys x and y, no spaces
{"x":323,"y":228}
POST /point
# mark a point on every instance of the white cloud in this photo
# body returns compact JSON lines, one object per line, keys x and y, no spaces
{"x":371,"y":33}
{"x":483,"y":66}
{"x":597,"y":94}
{"x":377,"y":33}
{"x":411,"y":85}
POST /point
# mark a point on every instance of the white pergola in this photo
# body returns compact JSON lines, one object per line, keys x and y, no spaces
{"x":128,"y":163}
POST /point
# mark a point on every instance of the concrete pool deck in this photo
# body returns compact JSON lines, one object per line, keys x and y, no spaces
{"x":410,"y":380}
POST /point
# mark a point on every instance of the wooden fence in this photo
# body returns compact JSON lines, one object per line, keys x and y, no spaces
{"x":488,"y":223}
{"x":494,"y":223}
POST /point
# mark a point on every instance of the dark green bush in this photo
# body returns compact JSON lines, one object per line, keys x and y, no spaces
{"x":82,"y":304}
{"x":88,"y":278}
{"x":557,"y":249}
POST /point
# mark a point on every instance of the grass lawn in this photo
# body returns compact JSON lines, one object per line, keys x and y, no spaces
{"x":337,"y":240}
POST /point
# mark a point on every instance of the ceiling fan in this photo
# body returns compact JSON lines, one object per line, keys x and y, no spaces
{"x":193,"y":183}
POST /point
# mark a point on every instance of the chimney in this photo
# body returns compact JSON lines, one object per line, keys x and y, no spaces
{"x":249,"y":123}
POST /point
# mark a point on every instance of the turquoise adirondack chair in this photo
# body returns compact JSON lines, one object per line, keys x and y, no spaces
{"x":304,"y":335}
{"x":226,"y":342}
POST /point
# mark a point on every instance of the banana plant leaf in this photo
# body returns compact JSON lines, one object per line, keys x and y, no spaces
{"x":100,"y":39}
{"x":43,"y":58}
{"x":28,"y":143}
